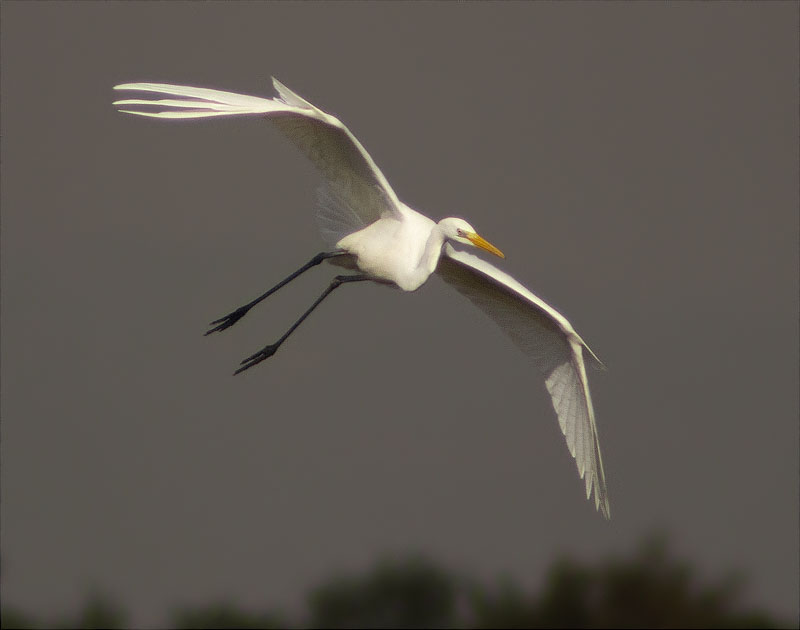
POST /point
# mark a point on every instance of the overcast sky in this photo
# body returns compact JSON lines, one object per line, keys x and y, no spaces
{"x":636,"y":162}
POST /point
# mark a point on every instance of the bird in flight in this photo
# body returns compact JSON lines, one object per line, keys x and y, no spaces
{"x":381,"y":239}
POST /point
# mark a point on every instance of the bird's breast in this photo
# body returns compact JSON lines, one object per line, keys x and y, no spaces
{"x":389,"y":251}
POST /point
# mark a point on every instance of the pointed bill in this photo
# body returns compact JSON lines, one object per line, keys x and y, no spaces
{"x":481,"y":242}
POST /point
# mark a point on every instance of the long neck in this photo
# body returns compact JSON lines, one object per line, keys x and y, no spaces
{"x":429,"y":260}
{"x":433,"y":249}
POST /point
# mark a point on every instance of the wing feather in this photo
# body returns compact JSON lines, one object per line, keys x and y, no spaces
{"x":554,"y":347}
{"x":348,"y":169}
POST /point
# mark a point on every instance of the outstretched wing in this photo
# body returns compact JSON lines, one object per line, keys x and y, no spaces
{"x":349,"y":170}
{"x":549,"y":340}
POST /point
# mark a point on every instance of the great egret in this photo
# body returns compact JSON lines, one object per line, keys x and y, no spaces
{"x":384,"y":240}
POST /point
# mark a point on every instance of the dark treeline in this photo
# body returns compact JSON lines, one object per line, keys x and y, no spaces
{"x":649,"y":589}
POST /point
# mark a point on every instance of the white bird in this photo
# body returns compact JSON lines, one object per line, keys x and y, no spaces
{"x":384,"y":240}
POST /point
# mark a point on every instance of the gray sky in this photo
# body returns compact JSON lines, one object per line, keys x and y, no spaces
{"x":637,"y":163}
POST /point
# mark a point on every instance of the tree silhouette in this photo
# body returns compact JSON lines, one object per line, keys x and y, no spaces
{"x":99,"y":611}
{"x":408,"y":594}
{"x":225,"y":616}
{"x":649,"y":589}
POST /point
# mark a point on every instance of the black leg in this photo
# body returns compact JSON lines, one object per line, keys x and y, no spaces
{"x":269,"y":350}
{"x":231,"y":318}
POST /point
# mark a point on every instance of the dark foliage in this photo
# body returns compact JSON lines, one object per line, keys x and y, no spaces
{"x":648,"y":590}
{"x":409,"y":594}
{"x":225,"y":616}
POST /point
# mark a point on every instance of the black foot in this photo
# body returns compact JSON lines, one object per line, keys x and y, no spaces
{"x":254,"y":359}
{"x":229,"y":320}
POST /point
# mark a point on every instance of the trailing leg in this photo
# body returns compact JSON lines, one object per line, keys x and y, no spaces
{"x":231,"y":318}
{"x":269,"y":350}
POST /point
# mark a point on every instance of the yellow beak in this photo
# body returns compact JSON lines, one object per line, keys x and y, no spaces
{"x":481,"y":242}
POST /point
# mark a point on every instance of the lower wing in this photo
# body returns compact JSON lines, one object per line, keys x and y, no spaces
{"x":544,"y":335}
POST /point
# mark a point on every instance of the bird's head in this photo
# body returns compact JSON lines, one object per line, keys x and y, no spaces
{"x":462,"y":232}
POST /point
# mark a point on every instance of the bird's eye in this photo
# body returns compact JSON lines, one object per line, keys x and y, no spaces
{"x":460,"y":232}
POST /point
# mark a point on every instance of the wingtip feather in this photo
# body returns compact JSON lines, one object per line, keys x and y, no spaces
{"x":289,"y":97}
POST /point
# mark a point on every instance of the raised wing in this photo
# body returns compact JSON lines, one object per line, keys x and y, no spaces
{"x":350,"y":172}
{"x":549,"y":340}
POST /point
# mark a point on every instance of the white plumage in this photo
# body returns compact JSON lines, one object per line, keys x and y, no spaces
{"x":386,"y":241}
